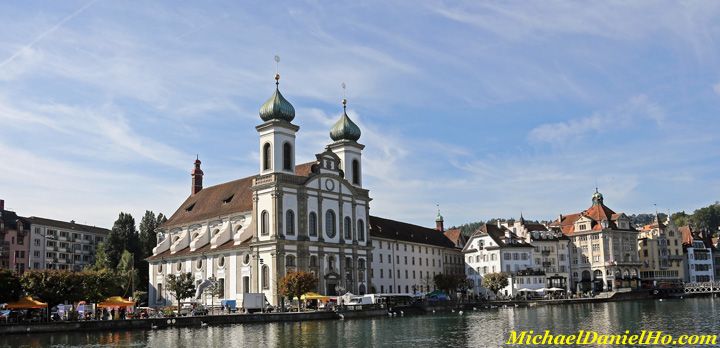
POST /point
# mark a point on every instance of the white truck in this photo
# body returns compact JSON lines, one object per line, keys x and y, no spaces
{"x":255,"y":302}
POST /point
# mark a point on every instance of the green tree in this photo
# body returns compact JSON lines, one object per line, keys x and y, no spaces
{"x":101,"y":259}
{"x":707,"y":218}
{"x":10,"y":289}
{"x":53,"y":286}
{"x":449,"y":283}
{"x":181,"y":286}
{"x":297,"y":283}
{"x":680,"y":219}
{"x":101,"y":284}
{"x":495,"y":281}
{"x":148,"y":241}
{"x":123,"y":236}
{"x":128,"y":272}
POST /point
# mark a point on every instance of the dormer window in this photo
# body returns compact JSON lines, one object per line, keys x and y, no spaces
{"x":227,"y":200}
{"x":190,"y":208}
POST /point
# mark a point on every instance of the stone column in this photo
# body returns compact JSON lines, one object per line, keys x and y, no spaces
{"x":353,"y":224}
{"x":256,"y":217}
{"x":302,"y":215}
{"x":280,"y":213}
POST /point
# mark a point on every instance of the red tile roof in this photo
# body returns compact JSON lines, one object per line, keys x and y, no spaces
{"x":223,"y":199}
{"x":597,"y":213}
{"x":455,"y":236}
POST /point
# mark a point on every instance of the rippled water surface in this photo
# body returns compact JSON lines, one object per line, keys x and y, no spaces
{"x":487,"y":328}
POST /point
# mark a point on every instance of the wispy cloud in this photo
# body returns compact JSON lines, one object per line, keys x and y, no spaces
{"x":630,"y":113}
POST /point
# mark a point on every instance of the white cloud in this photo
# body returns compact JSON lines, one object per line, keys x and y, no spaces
{"x":629,"y":113}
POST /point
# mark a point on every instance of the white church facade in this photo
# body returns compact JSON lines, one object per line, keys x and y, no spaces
{"x":248,"y":233}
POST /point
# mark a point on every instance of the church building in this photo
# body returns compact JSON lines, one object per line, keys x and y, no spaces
{"x":248,"y":233}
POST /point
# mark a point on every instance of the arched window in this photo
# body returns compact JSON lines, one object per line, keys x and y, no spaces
{"x":287,"y":156}
{"x":330,"y":223}
{"x":290,"y":261}
{"x":266,"y":157}
{"x":347,"y":226}
{"x":265,"y":277}
{"x":356,"y":172}
{"x":361,"y":231}
{"x":312,"y":224}
{"x":264,"y":223}
{"x":290,"y":223}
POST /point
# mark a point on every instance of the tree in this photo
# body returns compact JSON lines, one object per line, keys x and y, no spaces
{"x":680,"y":218}
{"x":707,"y":218}
{"x":148,"y":241}
{"x":101,"y":284}
{"x":123,"y":236}
{"x":10,"y":289}
{"x":53,"y":286}
{"x":449,"y":283}
{"x":296,"y":284}
{"x":181,"y":286}
{"x":495,"y":281}
{"x":101,"y":259}
{"x":128,"y":272}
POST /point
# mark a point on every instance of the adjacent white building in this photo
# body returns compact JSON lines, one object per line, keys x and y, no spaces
{"x":494,"y":249}
{"x":698,"y":256}
{"x":63,"y":245}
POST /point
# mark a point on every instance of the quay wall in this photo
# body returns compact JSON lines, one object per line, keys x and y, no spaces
{"x":160,"y":323}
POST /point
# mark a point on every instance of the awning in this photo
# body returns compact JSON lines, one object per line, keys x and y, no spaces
{"x":116,"y":301}
{"x":314,"y":296}
{"x":26,"y":302}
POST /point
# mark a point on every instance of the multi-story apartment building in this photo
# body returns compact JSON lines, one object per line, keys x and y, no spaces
{"x":551,"y":253}
{"x":406,"y":258}
{"x":64,"y":245}
{"x":699,"y":265}
{"x":14,"y":240}
{"x":493,"y":249}
{"x":604,"y":248}
{"x":660,"y":250}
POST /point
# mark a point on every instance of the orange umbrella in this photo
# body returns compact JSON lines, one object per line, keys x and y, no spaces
{"x":116,"y":301}
{"x":26,"y":302}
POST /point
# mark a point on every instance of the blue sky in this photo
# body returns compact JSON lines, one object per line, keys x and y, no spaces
{"x":488,"y":108}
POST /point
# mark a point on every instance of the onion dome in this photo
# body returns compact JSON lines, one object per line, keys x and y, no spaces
{"x":345,"y":128}
{"x":597,"y":197}
{"x":277,"y":107}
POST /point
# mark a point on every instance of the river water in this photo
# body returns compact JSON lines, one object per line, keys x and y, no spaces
{"x":487,"y":328}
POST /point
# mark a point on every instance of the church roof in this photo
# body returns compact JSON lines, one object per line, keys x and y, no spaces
{"x":391,"y":229}
{"x":223,"y":199}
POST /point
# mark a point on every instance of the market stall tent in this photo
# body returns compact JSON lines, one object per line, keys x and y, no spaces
{"x":116,"y":301}
{"x":26,"y":302}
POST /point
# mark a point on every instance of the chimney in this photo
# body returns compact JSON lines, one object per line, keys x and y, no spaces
{"x":197,"y":176}
{"x":2,"y":204}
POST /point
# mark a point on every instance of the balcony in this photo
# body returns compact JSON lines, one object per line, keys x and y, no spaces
{"x":546,"y":252}
{"x":63,"y":238}
{"x":546,"y":264}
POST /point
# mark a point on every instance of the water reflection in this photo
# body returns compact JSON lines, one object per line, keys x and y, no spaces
{"x":488,"y":328}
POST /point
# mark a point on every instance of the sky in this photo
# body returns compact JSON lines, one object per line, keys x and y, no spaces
{"x":487,"y":108}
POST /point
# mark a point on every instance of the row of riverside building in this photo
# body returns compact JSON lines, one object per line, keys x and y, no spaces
{"x":36,"y":243}
{"x":248,"y":233}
